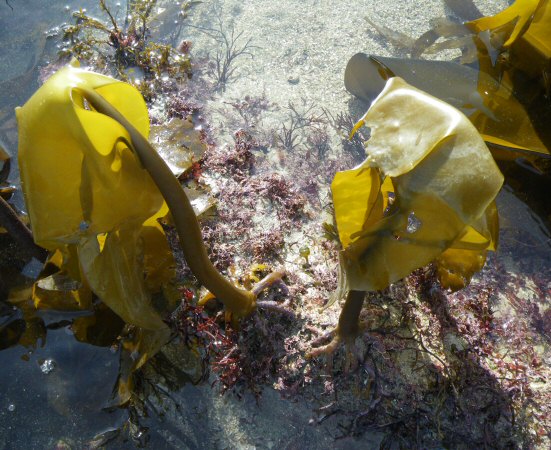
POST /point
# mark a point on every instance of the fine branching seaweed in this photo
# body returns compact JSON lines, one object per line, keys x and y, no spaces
{"x":391,"y":210}
{"x":342,"y":123}
{"x":291,"y":134}
{"x":318,"y":141}
{"x":231,"y":45}
{"x":413,"y":220}
{"x":132,"y":239}
{"x":250,"y":110}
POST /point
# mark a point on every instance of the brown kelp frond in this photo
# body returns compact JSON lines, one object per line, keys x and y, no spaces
{"x":519,"y":15}
{"x":413,"y":201}
{"x":399,"y":40}
{"x":392,"y":215}
{"x":464,"y":9}
{"x":101,"y":244}
{"x":455,"y":36}
{"x":511,"y":123}
{"x":512,"y":50}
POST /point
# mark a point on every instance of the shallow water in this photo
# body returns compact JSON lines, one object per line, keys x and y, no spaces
{"x":55,"y":390}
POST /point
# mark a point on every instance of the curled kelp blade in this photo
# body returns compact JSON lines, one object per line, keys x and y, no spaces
{"x":531,"y":51}
{"x":365,"y":77}
{"x":520,"y":13}
{"x":76,"y":161}
{"x":89,"y":197}
{"x":490,"y":106}
{"x":443,"y":180}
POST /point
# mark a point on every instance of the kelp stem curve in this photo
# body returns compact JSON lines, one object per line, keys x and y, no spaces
{"x":240,"y":302}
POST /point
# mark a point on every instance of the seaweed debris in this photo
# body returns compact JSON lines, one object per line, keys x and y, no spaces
{"x":502,"y":75}
{"x":127,"y":48}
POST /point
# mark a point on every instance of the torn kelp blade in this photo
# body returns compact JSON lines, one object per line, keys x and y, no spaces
{"x":490,"y":106}
{"x":444,"y":180}
{"x":465,"y":9}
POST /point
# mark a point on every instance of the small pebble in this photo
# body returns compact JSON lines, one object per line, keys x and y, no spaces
{"x":47,"y":366}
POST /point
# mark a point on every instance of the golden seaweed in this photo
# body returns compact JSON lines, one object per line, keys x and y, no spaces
{"x":504,"y":90}
{"x":427,"y":186}
{"x":519,"y":16}
{"x":506,"y":124}
{"x":425,"y":193}
{"x":79,"y":175}
{"x":89,"y":198}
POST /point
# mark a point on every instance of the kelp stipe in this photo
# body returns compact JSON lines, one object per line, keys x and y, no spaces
{"x":85,"y":165}
{"x":94,"y":190}
{"x":238,"y":301}
{"x":442,"y":179}
{"x":425,"y":193}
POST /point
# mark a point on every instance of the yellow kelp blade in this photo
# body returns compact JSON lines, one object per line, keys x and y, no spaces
{"x":76,"y":159}
{"x":512,"y":130}
{"x":467,"y":255}
{"x":355,"y":192}
{"x":443,"y":176}
{"x":455,"y":267}
{"x":522,"y":11}
{"x":490,"y":105}
{"x":532,"y":51}
{"x":88,"y":195}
